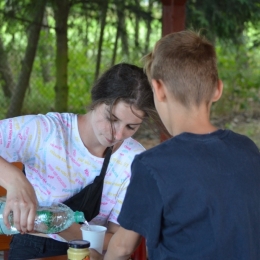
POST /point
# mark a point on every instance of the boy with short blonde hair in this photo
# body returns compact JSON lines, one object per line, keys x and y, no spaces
{"x":196,"y":196}
{"x":185,"y":63}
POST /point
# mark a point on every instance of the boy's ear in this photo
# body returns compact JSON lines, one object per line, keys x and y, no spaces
{"x":218,"y":91}
{"x":158,"y":89}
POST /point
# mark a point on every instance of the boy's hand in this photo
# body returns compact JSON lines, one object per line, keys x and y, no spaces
{"x":94,"y":255}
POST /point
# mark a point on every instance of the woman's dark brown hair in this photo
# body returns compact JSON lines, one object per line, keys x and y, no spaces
{"x":128,"y":83}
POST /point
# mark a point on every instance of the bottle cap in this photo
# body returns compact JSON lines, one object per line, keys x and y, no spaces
{"x":78,"y":243}
{"x":79,"y":217}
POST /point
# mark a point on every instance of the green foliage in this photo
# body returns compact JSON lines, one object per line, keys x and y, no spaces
{"x":4,"y":105}
{"x":83,"y":30}
{"x":239,"y":70}
{"x":222,"y":19}
{"x":226,"y":22}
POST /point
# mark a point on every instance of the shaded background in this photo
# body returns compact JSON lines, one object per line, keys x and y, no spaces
{"x":51,"y":51}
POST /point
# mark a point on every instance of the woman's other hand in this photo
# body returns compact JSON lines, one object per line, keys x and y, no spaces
{"x":72,"y":232}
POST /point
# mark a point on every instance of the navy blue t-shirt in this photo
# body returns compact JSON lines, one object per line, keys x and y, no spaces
{"x":197,"y":197}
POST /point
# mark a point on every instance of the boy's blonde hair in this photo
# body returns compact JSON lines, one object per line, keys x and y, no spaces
{"x":186,"y":63}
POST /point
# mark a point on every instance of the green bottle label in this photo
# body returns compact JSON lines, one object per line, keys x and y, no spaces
{"x":44,"y":218}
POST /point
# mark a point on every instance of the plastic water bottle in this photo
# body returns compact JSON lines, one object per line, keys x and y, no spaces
{"x":48,"y":220}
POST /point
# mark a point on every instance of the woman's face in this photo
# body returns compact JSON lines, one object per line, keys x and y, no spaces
{"x":122,"y":120}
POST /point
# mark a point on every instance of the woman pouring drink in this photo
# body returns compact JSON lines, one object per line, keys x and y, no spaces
{"x":64,"y":152}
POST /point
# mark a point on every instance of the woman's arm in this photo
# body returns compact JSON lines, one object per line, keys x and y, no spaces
{"x":71,"y":233}
{"x":18,"y":137}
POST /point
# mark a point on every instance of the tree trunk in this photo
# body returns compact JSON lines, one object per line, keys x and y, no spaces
{"x":115,"y":46}
{"x":5,"y":72}
{"x":87,"y":23}
{"x":27,"y":64}
{"x":120,"y":16}
{"x":137,"y":15}
{"x":101,"y":35}
{"x":148,"y":26}
{"x":45,"y":51}
{"x":61,"y":13}
{"x":123,"y":35}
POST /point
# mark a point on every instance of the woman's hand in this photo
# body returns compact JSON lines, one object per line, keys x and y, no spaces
{"x":95,"y":255}
{"x":20,"y":197}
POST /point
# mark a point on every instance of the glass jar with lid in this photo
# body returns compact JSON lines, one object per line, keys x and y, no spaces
{"x":78,"y":250}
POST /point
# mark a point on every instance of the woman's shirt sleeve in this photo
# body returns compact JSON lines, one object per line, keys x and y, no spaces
{"x":119,"y":198}
{"x":21,"y":137}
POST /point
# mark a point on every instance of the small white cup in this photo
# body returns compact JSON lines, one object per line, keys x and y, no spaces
{"x":95,"y":234}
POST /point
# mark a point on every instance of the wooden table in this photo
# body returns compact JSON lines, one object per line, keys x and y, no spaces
{"x":60,"y":257}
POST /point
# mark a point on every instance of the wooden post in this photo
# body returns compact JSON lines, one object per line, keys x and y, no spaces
{"x":173,"y":20}
{"x":173,"y":16}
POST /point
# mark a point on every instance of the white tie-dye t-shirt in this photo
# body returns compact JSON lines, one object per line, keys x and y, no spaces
{"x":58,"y":165}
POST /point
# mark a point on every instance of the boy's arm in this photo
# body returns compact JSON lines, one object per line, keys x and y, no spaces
{"x":122,"y":244}
{"x":111,"y":230}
